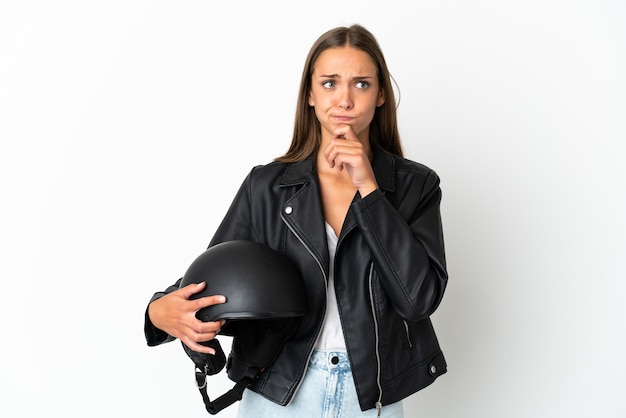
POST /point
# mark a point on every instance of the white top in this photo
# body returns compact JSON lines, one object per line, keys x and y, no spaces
{"x":331,"y":337}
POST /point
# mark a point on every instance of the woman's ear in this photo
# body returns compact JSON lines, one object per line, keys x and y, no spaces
{"x":381,"y":98}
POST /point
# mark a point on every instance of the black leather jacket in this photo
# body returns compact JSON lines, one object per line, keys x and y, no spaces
{"x":390,"y":273}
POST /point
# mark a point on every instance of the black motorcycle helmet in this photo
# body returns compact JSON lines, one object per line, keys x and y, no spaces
{"x":264,"y":301}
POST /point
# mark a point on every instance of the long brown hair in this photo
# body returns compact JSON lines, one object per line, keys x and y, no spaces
{"x":307,"y":134}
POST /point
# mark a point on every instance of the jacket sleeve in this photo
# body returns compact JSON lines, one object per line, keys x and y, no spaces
{"x":155,"y":336}
{"x":407,"y":246}
{"x":235,"y":225}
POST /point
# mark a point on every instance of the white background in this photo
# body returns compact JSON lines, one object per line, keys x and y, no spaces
{"x":126,"y":128}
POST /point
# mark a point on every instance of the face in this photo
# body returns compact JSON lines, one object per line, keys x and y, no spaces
{"x":345,"y":91}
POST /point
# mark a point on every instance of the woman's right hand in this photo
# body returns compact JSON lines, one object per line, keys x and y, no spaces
{"x":175,"y":314}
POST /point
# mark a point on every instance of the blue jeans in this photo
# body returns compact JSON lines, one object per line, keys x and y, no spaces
{"x":327,"y":391}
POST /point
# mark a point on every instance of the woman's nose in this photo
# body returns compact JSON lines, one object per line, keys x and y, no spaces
{"x":345,"y":99}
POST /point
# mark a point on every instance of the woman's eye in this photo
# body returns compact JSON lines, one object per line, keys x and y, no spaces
{"x":328,"y":84}
{"x":362,"y":84}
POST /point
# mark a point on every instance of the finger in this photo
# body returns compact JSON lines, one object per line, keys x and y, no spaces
{"x":211,"y":327}
{"x":340,"y":154}
{"x":200,"y":348}
{"x":330,"y":153}
{"x":196,"y":305}
{"x":345,"y":132}
{"x":210,"y":300}
{"x":199,"y":331}
{"x":191,"y":289}
{"x":341,"y":146}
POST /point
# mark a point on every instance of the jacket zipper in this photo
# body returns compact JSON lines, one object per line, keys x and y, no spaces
{"x":379,"y":404}
{"x":319,"y":264}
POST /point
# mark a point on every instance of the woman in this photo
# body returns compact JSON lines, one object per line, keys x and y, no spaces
{"x":361,"y":224}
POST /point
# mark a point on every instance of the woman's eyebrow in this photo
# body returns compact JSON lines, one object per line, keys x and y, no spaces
{"x":358,"y":77}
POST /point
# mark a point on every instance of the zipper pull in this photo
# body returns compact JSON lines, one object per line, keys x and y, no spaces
{"x":379,"y":408}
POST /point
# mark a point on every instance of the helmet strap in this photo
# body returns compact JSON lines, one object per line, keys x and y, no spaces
{"x":226,"y":400}
{"x":206,"y":365}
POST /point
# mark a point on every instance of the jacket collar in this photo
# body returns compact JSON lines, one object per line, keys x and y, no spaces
{"x":383,"y":164}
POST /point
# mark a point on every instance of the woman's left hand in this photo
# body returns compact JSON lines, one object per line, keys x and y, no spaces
{"x":345,"y":150}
